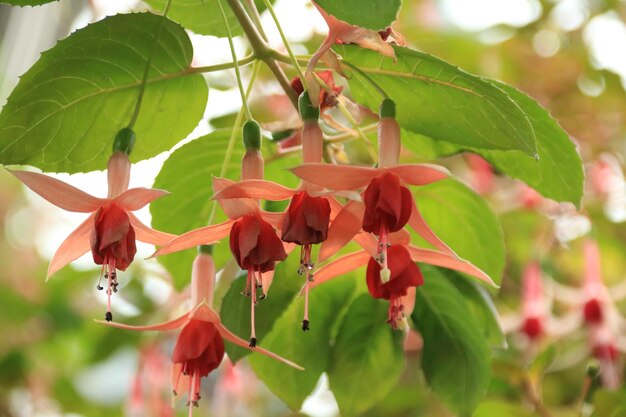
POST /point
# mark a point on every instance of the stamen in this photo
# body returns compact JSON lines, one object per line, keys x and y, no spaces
{"x":252,"y":324}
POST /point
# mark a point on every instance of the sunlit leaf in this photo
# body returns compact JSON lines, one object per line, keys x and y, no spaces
{"x":370,"y":14}
{"x":66,"y":110}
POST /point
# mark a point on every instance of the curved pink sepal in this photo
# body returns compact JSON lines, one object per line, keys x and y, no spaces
{"x":419,"y":174}
{"x":339,"y":267}
{"x":59,"y":193}
{"x":136,"y":198}
{"x":447,"y":261}
{"x":273,"y":218}
{"x":203,"y":236}
{"x":168,"y":325}
{"x":147,"y":234}
{"x":417,"y":222}
{"x":336,"y":177}
{"x":255,"y":189}
{"x":236,"y":207}
{"x":73,"y":247}
{"x":344,"y":226}
{"x":232,"y":338}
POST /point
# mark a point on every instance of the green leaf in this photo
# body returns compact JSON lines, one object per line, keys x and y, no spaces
{"x":187,"y":175}
{"x":482,"y":306}
{"x":502,"y":408}
{"x":311,"y":349}
{"x":466,"y":222}
{"x":367,"y":359}
{"x":66,"y":110}
{"x":558,"y":174}
{"x":235,"y":312}
{"x":202,"y":16}
{"x":455,"y":357}
{"x":370,"y":14}
{"x":439,"y":100}
{"x":26,"y":2}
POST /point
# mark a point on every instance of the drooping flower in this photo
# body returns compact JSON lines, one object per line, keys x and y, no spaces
{"x":405,"y":274}
{"x":253,"y":240}
{"x":199,"y":347}
{"x":387,"y":204}
{"x":327,"y":97}
{"x":111,"y":229}
{"x":396,"y":279}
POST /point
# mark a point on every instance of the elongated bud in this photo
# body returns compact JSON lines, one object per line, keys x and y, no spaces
{"x":388,"y":135}
{"x":307,"y":110}
{"x":202,"y":278}
{"x":124,"y":141}
{"x":593,"y":286}
{"x":118,"y":173}
{"x":252,"y":135}
{"x":252,"y":164}
{"x":312,"y":142}
{"x":532,"y":287}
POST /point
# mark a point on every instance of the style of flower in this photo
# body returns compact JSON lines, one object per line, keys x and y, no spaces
{"x":199,"y":347}
{"x":253,"y":241}
{"x":111,"y":229}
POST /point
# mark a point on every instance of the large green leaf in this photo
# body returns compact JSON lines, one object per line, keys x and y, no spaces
{"x":367,"y":359}
{"x":235,"y":311}
{"x":455,"y":357}
{"x":187,"y":175}
{"x":465,"y":221}
{"x":371,"y":14}
{"x":311,"y":349}
{"x":437,"y":99}
{"x":558,"y":174}
{"x":64,"y":113}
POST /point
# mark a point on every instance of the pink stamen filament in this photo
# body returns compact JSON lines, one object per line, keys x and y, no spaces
{"x":395,"y":313}
{"x":253,"y":285}
{"x":306,"y":266}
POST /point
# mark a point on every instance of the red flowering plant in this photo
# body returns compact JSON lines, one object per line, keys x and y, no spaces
{"x":111,"y":229}
{"x":199,"y":347}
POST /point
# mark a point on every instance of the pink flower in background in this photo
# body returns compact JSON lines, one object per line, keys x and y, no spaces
{"x":111,"y":229}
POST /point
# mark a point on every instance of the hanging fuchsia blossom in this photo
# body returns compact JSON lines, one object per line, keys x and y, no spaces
{"x":199,"y":347}
{"x":111,"y":229}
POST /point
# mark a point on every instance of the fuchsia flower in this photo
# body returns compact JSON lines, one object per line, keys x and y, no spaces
{"x":199,"y":347}
{"x":253,"y":241}
{"x":111,"y":229}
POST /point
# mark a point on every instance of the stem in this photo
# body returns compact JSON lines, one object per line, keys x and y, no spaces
{"x":261,"y":50}
{"x":256,"y":18}
{"x":144,"y":79}
{"x":292,"y":57}
{"x":531,"y":395}
{"x":244,"y":101}
{"x":233,"y":135}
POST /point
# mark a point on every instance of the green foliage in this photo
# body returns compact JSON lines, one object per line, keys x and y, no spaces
{"x":367,"y":359}
{"x":370,"y":14}
{"x":66,"y":110}
{"x":187,"y":175}
{"x":438,"y":100}
{"x":466,"y":222}
{"x":455,"y":356}
{"x":311,"y":349}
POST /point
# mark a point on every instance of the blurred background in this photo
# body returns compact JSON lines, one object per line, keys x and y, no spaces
{"x":570,"y":55}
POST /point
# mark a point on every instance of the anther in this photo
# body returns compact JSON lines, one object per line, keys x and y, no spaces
{"x":252,"y":342}
{"x":305,"y":325}
{"x":99,"y":287}
{"x":108,"y":316}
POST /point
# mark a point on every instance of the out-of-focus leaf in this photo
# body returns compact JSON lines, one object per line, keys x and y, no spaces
{"x":465,"y":221}
{"x":437,"y":99}
{"x":501,"y":408}
{"x":455,"y":356}
{"x":370,"y":14}
{"x":66,"y":110}
{"x":367,"y":359}
{"x":609,"y":403}
{"x":27,"y":2}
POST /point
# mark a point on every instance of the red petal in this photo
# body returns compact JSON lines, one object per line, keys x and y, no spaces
{"x":306,"y":221}
{"x":388,"y":204}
